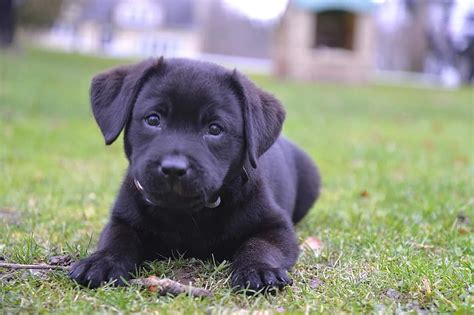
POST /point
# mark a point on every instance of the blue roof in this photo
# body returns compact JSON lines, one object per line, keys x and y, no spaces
{"x":358,"y":6}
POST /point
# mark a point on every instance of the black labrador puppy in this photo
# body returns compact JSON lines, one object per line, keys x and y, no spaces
{"x":208,"y":173}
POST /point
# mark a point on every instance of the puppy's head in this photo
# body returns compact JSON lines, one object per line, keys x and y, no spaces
{"x":189,"y":127}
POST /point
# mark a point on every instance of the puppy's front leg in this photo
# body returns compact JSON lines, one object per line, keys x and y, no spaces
{"x":263,"y":260}
{"x":118,"y":254}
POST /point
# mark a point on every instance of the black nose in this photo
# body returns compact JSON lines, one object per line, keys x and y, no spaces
{"x":174,"y":166}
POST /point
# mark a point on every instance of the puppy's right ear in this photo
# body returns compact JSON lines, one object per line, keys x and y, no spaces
{"x":263,"y":117}
{"x":114,"y":92}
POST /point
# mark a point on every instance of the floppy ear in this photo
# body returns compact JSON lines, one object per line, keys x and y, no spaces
{"x":263,"y":117}
{"x":114,"y":92}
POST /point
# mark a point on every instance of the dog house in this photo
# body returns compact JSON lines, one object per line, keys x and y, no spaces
{"x":326,"y":40}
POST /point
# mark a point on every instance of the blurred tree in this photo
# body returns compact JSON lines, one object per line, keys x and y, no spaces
{"x":415,"y":37}
{"x":38,"y":13}
{"x":227,"y":32}
{"x":7,"y":23}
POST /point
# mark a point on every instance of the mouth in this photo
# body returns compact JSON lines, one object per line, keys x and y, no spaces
{"x":190,"y":202}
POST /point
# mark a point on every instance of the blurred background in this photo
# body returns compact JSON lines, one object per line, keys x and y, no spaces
{"x":424,"y":42}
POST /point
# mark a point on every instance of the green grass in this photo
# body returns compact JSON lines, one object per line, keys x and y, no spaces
{"x":397,"y":165}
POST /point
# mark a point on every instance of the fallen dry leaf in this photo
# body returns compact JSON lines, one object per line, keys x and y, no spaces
{"x":312,"y":243}
{"x":61,"y":260}
{"x":463,"y":223}
{"x":364,"y":194}
{"x":426,"y":285}
{"x":168,"y":286}
{"x":463,"y":230}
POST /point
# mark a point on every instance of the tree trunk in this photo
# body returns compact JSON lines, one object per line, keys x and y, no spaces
{"x":7,"y":23}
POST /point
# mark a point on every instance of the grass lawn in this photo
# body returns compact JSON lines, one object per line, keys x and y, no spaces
{"x":394,"y":216}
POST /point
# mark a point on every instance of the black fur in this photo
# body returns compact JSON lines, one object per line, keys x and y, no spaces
{"x":178,"y":169}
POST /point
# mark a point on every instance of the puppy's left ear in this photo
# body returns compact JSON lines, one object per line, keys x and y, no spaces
{"x":114,"y":92}
{"x":263,"y":117}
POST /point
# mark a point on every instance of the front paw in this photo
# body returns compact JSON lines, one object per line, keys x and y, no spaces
{"x":100,"y":268}
{"x":258,"y":277}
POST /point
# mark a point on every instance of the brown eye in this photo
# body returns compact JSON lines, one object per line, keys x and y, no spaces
{"x":215,"y":129}
{"x":152,"y":120}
